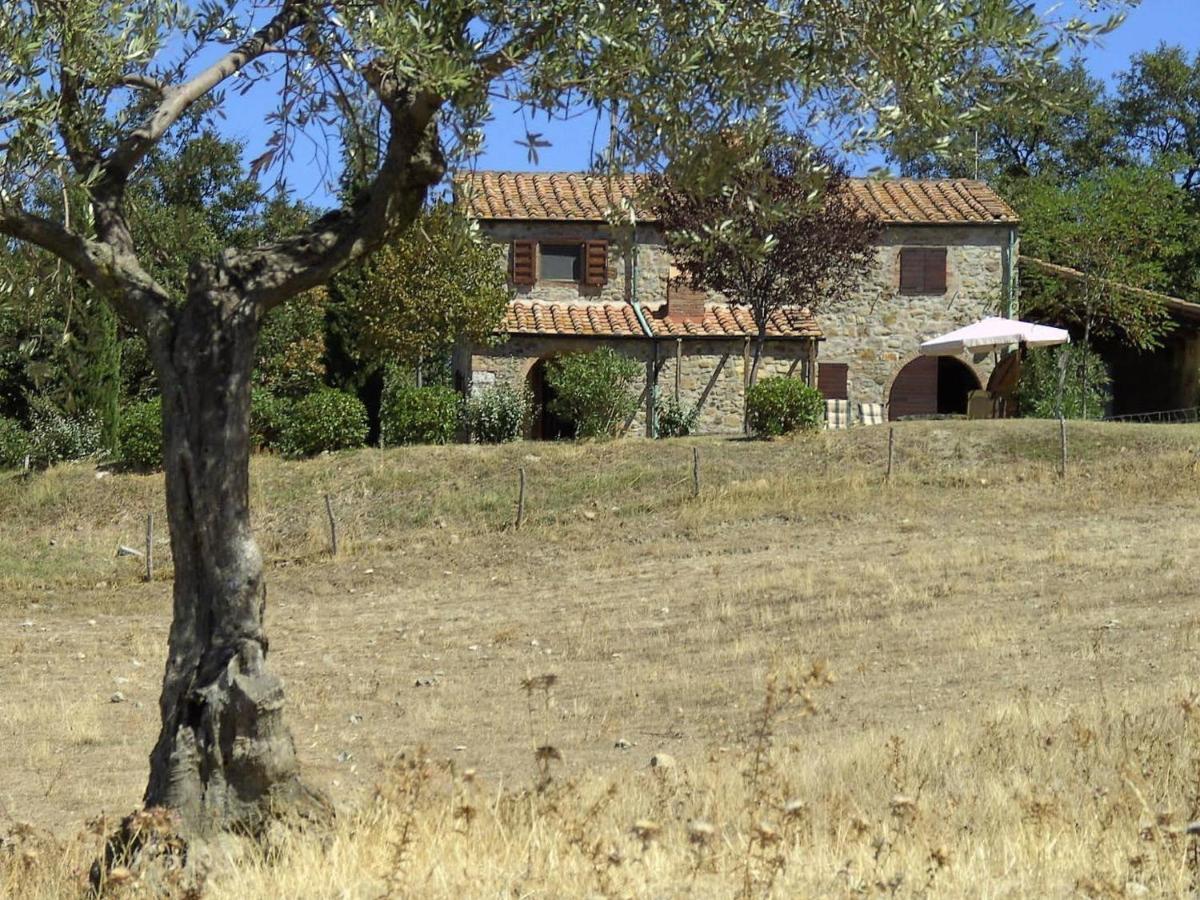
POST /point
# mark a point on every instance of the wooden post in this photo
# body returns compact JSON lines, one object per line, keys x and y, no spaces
{"x":333,"y":548}
{"x":150,"y":546}
{"x":1062,"y":441}
{"x":887,"y":475}
{"x":520,"y":496}
{"x":678,"y":365}
{"x":695,"y":471}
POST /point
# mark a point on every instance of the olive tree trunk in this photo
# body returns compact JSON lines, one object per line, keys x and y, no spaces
{"x":224,"y":757}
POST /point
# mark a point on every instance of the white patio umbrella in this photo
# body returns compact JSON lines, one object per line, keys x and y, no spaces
{"x":995,"y":332}
{"x":992,"y":333}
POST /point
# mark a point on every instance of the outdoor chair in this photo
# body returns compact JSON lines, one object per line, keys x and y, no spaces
{"x":837,"y":414}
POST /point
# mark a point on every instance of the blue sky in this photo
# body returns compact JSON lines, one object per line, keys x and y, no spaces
{"x":1148,"y":25}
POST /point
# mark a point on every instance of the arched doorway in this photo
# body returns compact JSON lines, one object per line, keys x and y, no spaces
{"x":932,"y":386}
{"x":546,"y":426}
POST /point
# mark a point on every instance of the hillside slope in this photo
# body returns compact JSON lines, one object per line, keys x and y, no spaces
{"x":1010,"y":653}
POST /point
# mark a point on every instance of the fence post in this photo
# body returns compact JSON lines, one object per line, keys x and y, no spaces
{"x":887,"y":475}
{"x":150,"y":546}
{"x":1062,"y":448}
{"x":520,"y":496}
{"x":333,"y":547}
{"x":695,"y":471}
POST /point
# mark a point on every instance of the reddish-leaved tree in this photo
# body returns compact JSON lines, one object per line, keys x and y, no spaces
{"x":782,"y":230}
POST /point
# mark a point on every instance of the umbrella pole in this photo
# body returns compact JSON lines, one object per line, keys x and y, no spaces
{"x":1062,"y":420}
{"x":1062,"y":377}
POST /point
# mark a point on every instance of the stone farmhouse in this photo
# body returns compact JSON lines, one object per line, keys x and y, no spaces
{"x":589,"y":267}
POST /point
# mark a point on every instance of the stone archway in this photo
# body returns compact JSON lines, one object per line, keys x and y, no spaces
{"x":930,"y":386}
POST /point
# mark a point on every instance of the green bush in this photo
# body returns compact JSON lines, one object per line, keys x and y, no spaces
{"x":1037,"y":389}
{"x":778,"y":406}
{"x":325,"y":420}
{"x":140,"y":436}
{"x":674,"y":420}
{"x":56,"y":437}
{"x":418,"y":415}
{"x":268,"y":414}
{"x":498,"y":415}
{"x":596,"y":391}
{"x":14,"y":444}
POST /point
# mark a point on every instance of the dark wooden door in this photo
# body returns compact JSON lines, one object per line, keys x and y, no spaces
{"x":915,"y":390}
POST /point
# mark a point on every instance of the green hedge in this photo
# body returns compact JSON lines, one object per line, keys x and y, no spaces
{"x":778,"y":406}
{"x":498,"y":415}
{"x":140,"y":439}
{"x":14,"y":444}
{"x":673,"y":419}
{"x":268,"y":416}
{"x":596,"y":390}
{"x":418,"y":415}
{"x":323,"y":421}
{"x":55,"y":436}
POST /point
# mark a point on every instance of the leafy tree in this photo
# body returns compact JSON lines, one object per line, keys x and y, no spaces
{"x":1072,"y":132}
{"x":808,"y":244}
{"x":1077,"y":368}
{"x":1159,"y":109}
{"x":93,"y":88}
{"x":291,"y":346}
{"x":437,"y":283}
{"x":1129,"y":225}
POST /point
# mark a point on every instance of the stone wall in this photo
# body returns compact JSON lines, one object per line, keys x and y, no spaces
{"x":711,"y":373}
{"x":875,"y":333}
{"x":653,"y":261}
{"x":878,"y":330}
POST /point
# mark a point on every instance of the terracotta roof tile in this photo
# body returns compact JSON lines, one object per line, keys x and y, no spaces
{"x":620,"y":320}
{"x":722,"y":320}
{"x":576,"y":195}
{"x":572,"y":319}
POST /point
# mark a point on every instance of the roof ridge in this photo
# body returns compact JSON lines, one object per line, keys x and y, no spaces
{"x":594,"y":197}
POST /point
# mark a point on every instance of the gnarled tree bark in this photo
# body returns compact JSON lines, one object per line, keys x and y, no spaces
{"x":224,"y":757}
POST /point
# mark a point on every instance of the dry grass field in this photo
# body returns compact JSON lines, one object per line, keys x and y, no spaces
{"x":975,"y":681}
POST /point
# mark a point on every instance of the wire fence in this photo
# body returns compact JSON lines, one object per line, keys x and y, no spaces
{"x":1165,"y":416}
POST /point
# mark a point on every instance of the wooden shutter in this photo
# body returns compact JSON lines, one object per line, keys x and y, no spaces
{"x":595,"y":263}
{"x":523,"y":271}
{"x":923,"y":270}
{"x":832,"y":380}
{"x":911,"y":271}
{"x":935,"y":271}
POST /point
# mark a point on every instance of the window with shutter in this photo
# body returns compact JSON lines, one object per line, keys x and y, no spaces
{"x":595,"y":271}
{"x":923,"y":270}
{"x":522,"y":271}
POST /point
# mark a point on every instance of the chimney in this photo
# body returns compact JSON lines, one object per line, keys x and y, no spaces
{"x":684,"y":302}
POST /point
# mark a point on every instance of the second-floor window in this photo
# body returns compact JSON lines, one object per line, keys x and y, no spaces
{"x":584,"y":263}
{"x":923,"y":270}
{"x":560,"y":262}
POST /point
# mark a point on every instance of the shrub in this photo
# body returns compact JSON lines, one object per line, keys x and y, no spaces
{"x":1037,"y":389}
{"x":14,"y":444}
{"x":498,"y":415}
{"x":268,"y":413}
{"x":324,"y":420}
{"x":674,"y":420}
{"x":778,"y":406}
{"x":140,"y":436}
{"x":596,"y":390}
{"x":56,"y":437}
{"x":418,"y":415}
